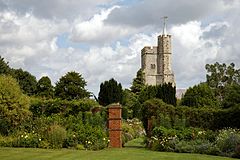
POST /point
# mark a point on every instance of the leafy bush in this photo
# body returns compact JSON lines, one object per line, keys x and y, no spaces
{"x":25,"y":139}
{"x":197,"y":146}
{"x":227,"y":140}
{"x":131,"y":129}
{"x":56,"y":136}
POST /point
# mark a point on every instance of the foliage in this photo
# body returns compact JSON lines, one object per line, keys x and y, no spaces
{"x":13,"y":104}
{"x":227,"y":140}
{"x":4,"y":67}
{"x":221,"y":75}
{"x":152,"y":107}
{"x":208,"y":118}
{"x":26,"y":81}
{"x":57,"y":131}
{"x":199,"y":96}
{"x":45,"y":88}
{"x":138,"y":82}
{"x":54,"y":106}
{"x":166,"y":92}
{"x":56,"y":135}
{"x":110,"y":92}
{"x":232,"y":95}
{"x":132,"y":129}
{"x":130,"y":101}
{"x":71,"y":86}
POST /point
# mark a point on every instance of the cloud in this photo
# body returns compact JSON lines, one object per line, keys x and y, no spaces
{"x":195,"y":45}
{"x":96,"y":31}
{"x":59,"y":9}
{"x":24,"y":36}
{"x":149,"y":12}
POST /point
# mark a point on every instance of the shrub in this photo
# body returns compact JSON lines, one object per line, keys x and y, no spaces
{"x":227,"y":141}
{"x":25,"y":139}
{"x":132,"y":128}
{"x":56,"y":135}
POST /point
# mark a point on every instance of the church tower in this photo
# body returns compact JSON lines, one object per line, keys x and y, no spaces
{"x":156,"y":61}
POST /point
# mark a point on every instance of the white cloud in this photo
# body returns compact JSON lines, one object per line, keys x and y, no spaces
{"x":24,"y":36}
{"x":96,"y":31}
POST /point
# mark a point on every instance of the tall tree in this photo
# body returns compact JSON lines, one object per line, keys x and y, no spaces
{"x":26,"y":81}
{"x":4,"y":67}
{"x":71,"y":86}
{"x":14,"y":105}
{"x":110,"y":92}
{"x":138,"y":82}
{"x":221,"y":75}
{"x":45,"y":88}
{"x":199,"y":96}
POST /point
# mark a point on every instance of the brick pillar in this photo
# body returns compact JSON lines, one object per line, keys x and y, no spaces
{"x":115,"y":125}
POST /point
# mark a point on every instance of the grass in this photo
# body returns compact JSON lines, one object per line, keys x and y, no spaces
{"x":130,"y":152}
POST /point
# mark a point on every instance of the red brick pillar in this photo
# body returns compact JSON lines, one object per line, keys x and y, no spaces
{"x":115,"y":125}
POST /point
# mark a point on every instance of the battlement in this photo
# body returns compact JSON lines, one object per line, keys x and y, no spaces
{"x":149,"y":50}
{"x":164,"y":36}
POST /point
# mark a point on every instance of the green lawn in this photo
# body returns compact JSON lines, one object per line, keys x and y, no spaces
{"x":127,"y":153}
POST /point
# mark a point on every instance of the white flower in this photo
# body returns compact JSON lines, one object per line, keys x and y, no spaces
{"x":39,"y":139}
{"x":21,"y":135}
{"x":104,"y":139}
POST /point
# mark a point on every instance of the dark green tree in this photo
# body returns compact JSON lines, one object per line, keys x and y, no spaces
{"x":45,"y":88}
{"x":71,"y":86}
{"x":14,"y":105}
{"x":199,"y":96}
{"x":166,"y":92}
{"x":110,"y":92}
{"x":26,"y":81}
{"x":4,"y":67}
{"x":138,"y":82}
{"x":220,"y":75}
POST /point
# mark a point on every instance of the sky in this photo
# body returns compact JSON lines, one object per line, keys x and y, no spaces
{"x":102,"y":39}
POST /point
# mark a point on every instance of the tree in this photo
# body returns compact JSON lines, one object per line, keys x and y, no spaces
{"x":4,"y":67}
{"x":14,"y":105}
{"x":110,"y":92}
{"x":199,"y":96}
{"x":26,"y":81}
{"x":166,"y":92}
{"x":220,"y":75}
{"x":71,"y":86}
{"x":44,"y":87}
{"x":138,"y":82}
{"x":232,"y":95}
{"x":131,"y":102}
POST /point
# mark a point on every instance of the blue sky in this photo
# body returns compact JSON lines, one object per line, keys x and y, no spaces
{"x":102,"y":39}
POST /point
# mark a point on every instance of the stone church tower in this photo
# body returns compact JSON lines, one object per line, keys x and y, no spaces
{"x":156,"y":61}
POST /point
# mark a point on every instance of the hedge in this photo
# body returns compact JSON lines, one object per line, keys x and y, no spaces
{"x":55,"y":106}
{"x":208,"y":118}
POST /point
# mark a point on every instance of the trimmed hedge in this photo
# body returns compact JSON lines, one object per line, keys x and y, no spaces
{"x":55,"y":106}
{"x":208,"y":118}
